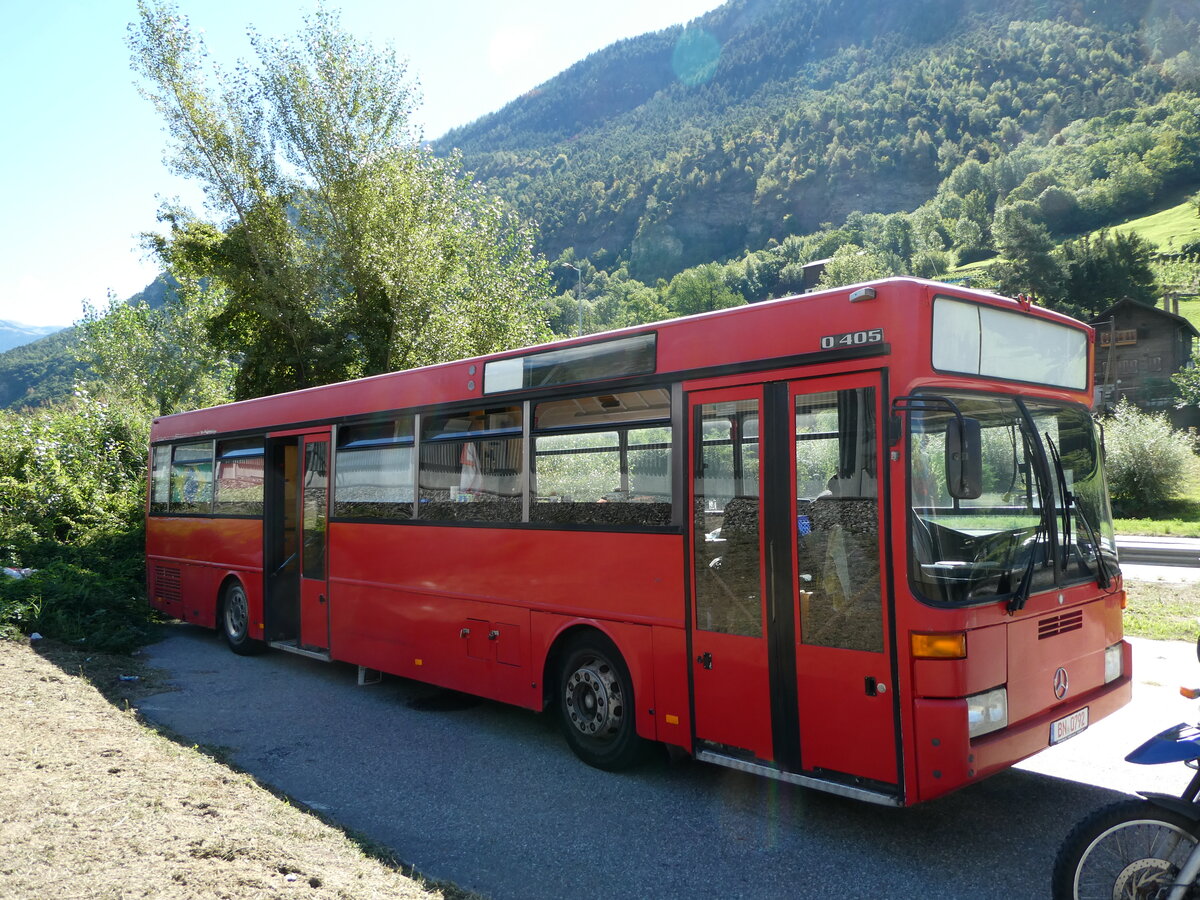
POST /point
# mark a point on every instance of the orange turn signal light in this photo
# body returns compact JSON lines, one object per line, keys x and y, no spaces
{"x":939,"y":645}
{"x":1190,"y":693}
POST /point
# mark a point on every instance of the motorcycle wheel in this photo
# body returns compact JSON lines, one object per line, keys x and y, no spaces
{"x":1130,"y":850}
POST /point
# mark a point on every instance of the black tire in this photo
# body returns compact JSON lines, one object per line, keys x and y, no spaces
{"x":595,"y":703}
{"x":1131,"y":849}
{"x":233,"y":619}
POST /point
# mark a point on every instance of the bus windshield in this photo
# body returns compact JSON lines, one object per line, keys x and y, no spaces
{"x":1041,"y":520}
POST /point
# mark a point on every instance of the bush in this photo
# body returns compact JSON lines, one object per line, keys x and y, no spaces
{"x":1148,"y":461}
{"x":72,"y":482}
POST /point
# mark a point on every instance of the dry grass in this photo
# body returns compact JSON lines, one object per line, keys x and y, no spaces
{"x":1163,"y":611}
{"x":94,"y":805}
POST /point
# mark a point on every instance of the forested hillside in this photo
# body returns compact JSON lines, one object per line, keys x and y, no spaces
{"x":767,"y":118}
{"x":705,"y":165}
{"x":46,"y":369}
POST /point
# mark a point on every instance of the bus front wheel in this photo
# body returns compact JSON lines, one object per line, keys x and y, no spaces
{"x":595,"y":701}
{"x":235,"y":621}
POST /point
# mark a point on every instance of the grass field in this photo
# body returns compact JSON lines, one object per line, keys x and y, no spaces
{"x":1178,"y":517}
{"x":1168,"y":229}
{"x":1190,"y":310}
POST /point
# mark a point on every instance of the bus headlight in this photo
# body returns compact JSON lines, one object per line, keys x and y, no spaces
{"x":987,"y":712}
{"x":1114,"y":662}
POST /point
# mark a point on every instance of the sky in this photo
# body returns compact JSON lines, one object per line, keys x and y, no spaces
{"x":82,"y":170}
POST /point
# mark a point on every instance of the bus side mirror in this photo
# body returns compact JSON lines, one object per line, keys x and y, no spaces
{"x":964,"y":459}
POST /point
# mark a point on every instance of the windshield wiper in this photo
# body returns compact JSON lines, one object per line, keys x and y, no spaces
{"x":1103,"y":577}
{"x":1061,"y":477}
{"x":1025,"y":585}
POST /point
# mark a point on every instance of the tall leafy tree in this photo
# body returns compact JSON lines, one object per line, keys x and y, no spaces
{"x":159,"y":358}
{"x":698,"y":290}
{"x":851,"y":264}
{"x":1104,"y":268}
{"x":341,"y":247}
{"x":1029,"y":265}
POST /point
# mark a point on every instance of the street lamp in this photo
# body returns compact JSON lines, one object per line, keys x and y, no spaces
{"x":578,"y":293}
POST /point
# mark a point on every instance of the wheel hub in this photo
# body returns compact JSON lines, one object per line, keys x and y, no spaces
{"x":236,"y":614}
{"x":593,"y":700}
{"x":1144,"y":879}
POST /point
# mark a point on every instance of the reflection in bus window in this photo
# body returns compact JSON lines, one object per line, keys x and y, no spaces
{"x":160,"y":479}
{"x":374,"y":472}
{"x":471,"y":466}
{"x":837,"y":520}
{"x":191,"y":478}
{"x":240,"y":474}
{"x":316,"y":490}
{"x":603,"y":460}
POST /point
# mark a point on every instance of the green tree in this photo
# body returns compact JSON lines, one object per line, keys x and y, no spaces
{"x":1100,"y":270}
{"x":343,"y":248}
{"x":852,"y":264}
{"x":1029,"y":265}
{"x":698,"y":290}
{"x":1188,"y":383}
{"x":159,"y":358}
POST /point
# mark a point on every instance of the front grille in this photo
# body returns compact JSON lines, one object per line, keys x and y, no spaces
{"x":1060,"y":624}
{"x":167,"y":583}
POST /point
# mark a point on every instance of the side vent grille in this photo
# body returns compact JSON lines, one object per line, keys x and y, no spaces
{"x":1060,"y":624}
{"x":167,"y":584}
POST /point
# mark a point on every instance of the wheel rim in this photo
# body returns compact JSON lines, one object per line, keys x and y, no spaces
{"x":593,"y":699}
{"x":1134,"y":860}
{"x":237,"y":616}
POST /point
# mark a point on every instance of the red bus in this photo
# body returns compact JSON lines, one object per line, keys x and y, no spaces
{"x":857,"y":540}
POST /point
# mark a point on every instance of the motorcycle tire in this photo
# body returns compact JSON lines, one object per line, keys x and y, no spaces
{"x":1132,"y":849}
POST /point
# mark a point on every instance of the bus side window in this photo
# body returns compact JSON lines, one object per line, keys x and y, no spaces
{"x":618,"y":474}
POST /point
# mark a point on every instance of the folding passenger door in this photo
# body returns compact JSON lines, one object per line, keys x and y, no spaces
{"x":296,"y":536}
{"x":791,"y":661}
{"x":844,"y":672}
{"x":730,"y":675}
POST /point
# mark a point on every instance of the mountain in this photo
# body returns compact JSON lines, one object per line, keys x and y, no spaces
{"x":764,"y":119}
{"x":14,"y":334}
{"x":45,"y":369}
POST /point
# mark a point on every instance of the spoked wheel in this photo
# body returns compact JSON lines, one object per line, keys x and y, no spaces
{"x":596,"y":704}
{"x":1131,"y":850}
{"x":235,"y":621}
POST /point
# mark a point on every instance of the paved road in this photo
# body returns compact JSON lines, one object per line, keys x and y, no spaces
{"x":491,"y":798}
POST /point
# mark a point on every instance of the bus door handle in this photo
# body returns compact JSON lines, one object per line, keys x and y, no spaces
{"x":705,"y":660}
{"x":320,"y":598}
{"x":874,"y":688}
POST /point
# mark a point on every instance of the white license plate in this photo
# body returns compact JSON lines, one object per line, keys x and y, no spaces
{"x":1068,"y":726}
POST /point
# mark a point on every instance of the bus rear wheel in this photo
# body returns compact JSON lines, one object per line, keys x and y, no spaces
{"x":595,"y":701}
{"x":234,"y":621}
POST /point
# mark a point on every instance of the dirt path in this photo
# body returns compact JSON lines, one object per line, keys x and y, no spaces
{"x":94,"y":805}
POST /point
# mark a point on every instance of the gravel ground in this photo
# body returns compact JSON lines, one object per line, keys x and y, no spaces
{"x":94,"y":804}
